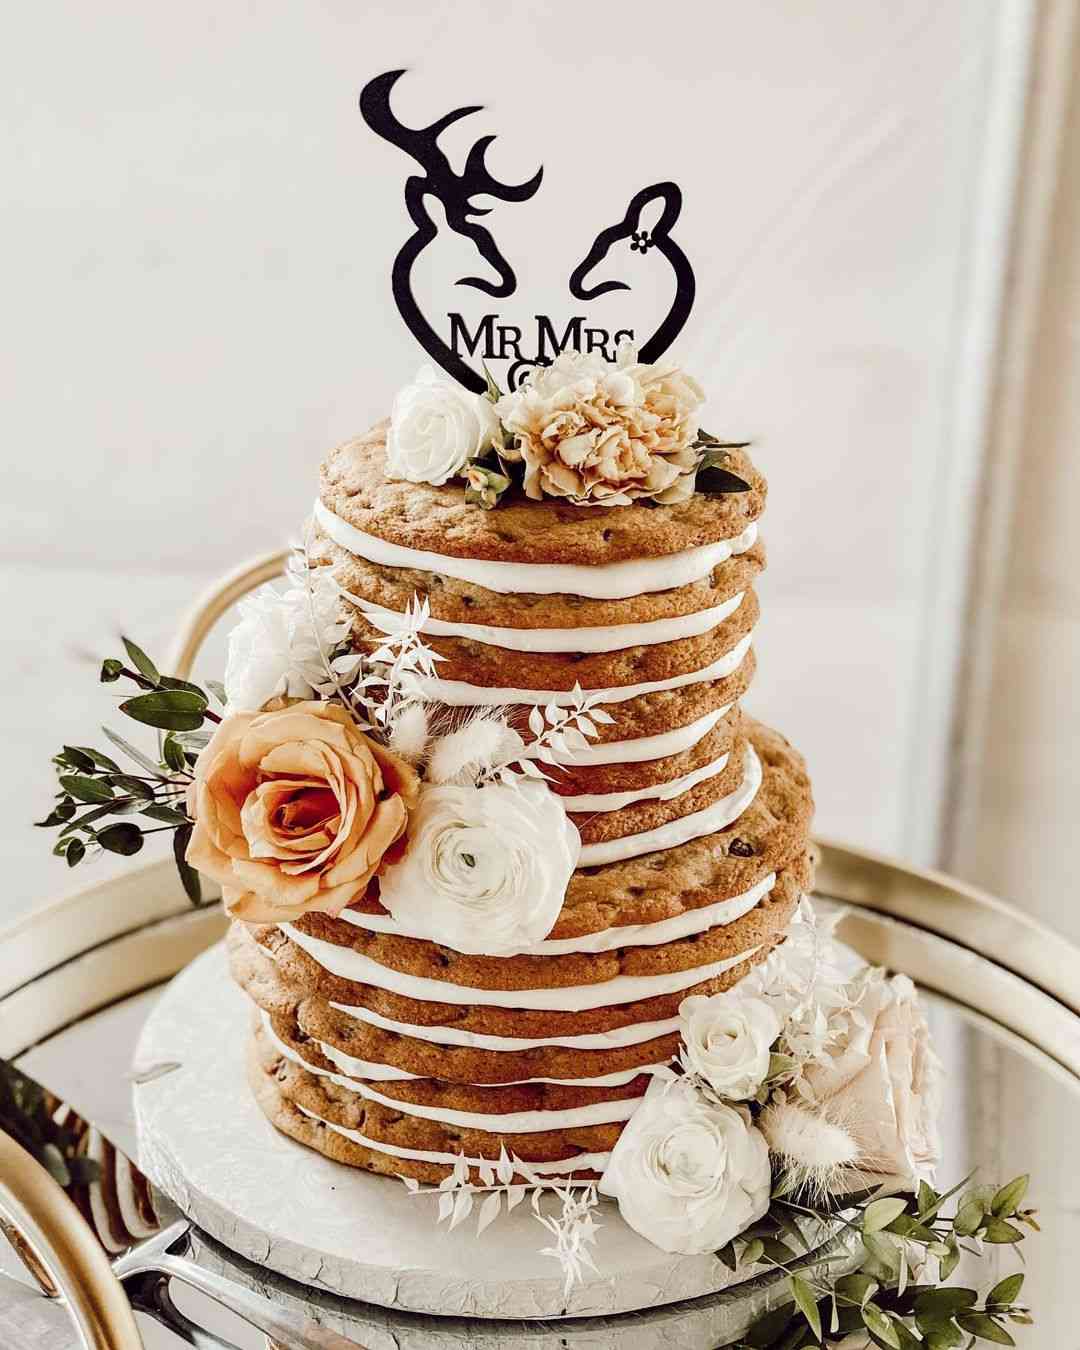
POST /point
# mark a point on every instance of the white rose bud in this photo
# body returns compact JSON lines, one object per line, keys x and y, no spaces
{"x":727,"y":1040}
{"x":486,"y":869}
{"x":436,"y":427}
{"x":689,"y":1174}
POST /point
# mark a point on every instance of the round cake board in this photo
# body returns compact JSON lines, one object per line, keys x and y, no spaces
{"x":206,"y":1144}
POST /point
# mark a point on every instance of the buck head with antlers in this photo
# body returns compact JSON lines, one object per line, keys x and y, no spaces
{"x":456,"y":193}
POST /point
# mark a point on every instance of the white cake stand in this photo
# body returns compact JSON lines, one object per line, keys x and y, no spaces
{"x":204,"y":1141}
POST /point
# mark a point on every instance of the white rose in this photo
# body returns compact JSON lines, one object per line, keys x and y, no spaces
{"x":689,"y":1174}
{"x":485,"y":869}
{"x":436,"y":427}
{"x":727,"y":1039}
{"x":275,"y":648}
{"x":882,"y":1079}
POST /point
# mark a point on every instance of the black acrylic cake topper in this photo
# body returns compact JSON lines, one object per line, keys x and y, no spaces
{"x":456,"y":193}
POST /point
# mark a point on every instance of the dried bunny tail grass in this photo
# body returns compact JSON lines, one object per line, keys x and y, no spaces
{"x":481,"y":743}
{"x":410,"y":733}
{"x":815,"y":1152}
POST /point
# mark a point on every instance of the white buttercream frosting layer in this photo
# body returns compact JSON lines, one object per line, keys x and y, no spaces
{"x":584,"y":1162}
{"x":639,"y":749}
{"x":718,"y":914}
{"x":347,"y":964}
{"x":715,"y":817}
{"x":659,"y":792}
{"x":598,"y":581}
{"x":611,"y":638}
{"x":350,"y":1069}
{"x":459,"y":694}
{"x":617,"y":1038}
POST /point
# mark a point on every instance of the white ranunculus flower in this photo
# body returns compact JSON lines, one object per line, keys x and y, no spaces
{"x":882,"y":1078}
{"x":436,"y":427}
{"x":727,"y":1039}
{"x":275,"y":648}
{"x":485,"y":869}
{"x":689,"y":1174}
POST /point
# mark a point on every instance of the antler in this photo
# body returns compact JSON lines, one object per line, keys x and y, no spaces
{"x":455,"y":190}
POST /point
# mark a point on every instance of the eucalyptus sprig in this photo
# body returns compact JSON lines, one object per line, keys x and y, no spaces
{"x":94,"y":788}
{"x":888,"y":1298}
{"x":27,"y":1114}
{"x":713,"y":477}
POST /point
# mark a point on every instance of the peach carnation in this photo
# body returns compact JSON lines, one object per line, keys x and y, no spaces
{"x":604,"y":435}
{"x":296,"y":810}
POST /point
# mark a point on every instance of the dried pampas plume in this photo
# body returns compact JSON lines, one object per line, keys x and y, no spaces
{"x":482,"y":743}
{"x":815,"y":1152}
{"x":410,"y":732}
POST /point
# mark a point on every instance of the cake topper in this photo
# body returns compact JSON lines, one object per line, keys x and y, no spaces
{"x":494,"y":338}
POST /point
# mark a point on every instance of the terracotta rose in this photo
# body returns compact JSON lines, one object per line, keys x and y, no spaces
{"x":295,"y":810}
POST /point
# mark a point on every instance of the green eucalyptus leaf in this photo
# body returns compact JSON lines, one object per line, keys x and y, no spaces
{"x":807,"y":1304}
{"x":753,"y":1252}
{"x":172,"y":751}
{"x":969,"y":1217}
{"x":167,"y":709}
{"x":86,"y":789}
{"x":938,"y":1305}
{"x":141,"y":661}
{"x":1006,"y":1290}
{"x":134,"y":787}
{"x":947,"y":1264}
{"x":727,"y":1257}
{"x":167,"y":815}
{"x":776,"y":1251}
{"x":881,"y":1325}
{"x":87,"y":818}
{"x":78,"y":758}
{"x":884,"y":1252}
{"x":123,"y":837}
{"x":189,"y":878}
{"x":59,"y":815}
{"x":1007,"y":1200}
{"x":978,"y":1324}
{"x":75,"y":852}
{"x":1000,"y":1232}
{"x":878,"y":1215}
{"x":943,"y":1336}
{"x":715,"y":481}
{"x":856,"y":1287}
{"x":133,"y":752}
{"x":173,"y":682}
{"x":111,"y":670}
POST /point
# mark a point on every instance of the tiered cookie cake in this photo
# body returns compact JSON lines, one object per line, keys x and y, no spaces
{"x":391,"y":1052}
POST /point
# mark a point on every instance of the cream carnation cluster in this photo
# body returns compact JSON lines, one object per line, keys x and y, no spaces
{"x":583,"y":429}
{"x":758,"y":1099}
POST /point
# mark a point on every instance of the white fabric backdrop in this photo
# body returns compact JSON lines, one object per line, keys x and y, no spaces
{"x":199,"y":232}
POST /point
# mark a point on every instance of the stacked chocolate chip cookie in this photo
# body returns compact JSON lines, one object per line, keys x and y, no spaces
{"x":392,"y":1052}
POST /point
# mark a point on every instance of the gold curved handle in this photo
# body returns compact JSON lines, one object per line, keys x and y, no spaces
{"x":61,"y":1251}
{"x":221,"y":596}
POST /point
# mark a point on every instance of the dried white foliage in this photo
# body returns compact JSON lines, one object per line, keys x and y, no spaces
{"x":815,"y":1153}
{"x":480,"y":746}
{"x":410,"y":733}
{"x":573,"y":1228}
{"x":562,"y":731}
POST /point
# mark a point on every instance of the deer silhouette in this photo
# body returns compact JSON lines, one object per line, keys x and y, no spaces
{"x":455,"y":191}
{"x":641,"y":241}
